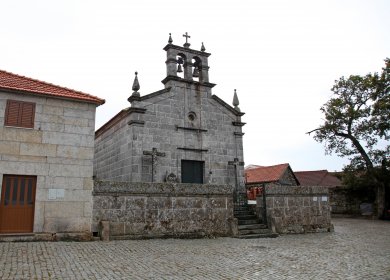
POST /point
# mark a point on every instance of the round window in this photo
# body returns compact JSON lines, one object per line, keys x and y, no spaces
{"x":191,"y":116}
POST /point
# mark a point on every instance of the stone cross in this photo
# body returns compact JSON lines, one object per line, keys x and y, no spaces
{"x":154,"y":153}
{"x":187,"y":36}
{"x":186,"y":44}
{"x":236,"y":163}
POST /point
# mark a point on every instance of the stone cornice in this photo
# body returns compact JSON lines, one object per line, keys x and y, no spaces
{"x":178,"y":79}
{"x":193,"y":149}
{"x":137,"y":110}
{"x":113,"y":121}
{"x":191,"y":128}
{"x":186,"y":50}
{"x":117,"y":118}
{"x":136,"y":122}
{"x":150,"y":95}
{"x":238,"y":123}
{"x":227,"y":106}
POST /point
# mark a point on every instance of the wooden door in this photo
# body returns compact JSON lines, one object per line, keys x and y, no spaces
{"x":17,"y":204}
{"x":192,"y":171}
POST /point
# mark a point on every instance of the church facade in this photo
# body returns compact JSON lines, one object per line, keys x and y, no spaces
{"x":181,"y":134}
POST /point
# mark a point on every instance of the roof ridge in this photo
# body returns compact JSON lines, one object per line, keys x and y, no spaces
{"x":270,"y":166}
{"x":45,"y":83}
{"x":312,"y":170}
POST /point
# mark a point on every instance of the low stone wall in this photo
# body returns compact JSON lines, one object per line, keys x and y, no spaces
{"x":346,"y":201}
{"x":342,"y":203}
{"x":298,"y":209}
{"x":148,"y":210}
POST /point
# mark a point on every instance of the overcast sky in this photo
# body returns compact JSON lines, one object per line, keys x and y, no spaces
{"x":281,"y":56}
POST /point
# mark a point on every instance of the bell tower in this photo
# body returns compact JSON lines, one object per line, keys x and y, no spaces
{"x":192,"y":63}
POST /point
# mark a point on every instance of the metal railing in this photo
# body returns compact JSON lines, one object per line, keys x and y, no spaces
{"x":240,"y":199}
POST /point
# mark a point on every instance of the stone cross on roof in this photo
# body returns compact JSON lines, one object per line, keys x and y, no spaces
{"x":186,"y":45}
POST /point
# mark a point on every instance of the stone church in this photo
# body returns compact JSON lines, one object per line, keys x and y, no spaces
{"x":182,"y":133}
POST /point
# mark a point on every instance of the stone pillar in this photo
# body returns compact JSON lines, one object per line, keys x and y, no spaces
{"x":188,"y":68}
{"x":171,"y":63}
{"x":105,"y":230}
{"x":204,"y":74}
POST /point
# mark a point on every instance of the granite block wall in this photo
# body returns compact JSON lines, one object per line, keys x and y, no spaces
{"x":296,"y":209}
{"x":162,"y":122}
{"x":345,"y":202}
{"x":59,"y":151}
{"x":149,"y":210}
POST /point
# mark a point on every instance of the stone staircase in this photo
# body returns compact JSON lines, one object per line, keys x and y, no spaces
{"x":249,"y":225}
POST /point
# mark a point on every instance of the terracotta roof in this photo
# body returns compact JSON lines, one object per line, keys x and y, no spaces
{"x":13,"y":82}
{"x":265,"y":174}
{"x":317,"y":178}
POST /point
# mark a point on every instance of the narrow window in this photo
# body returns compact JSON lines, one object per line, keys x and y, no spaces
{"x":30,"y":198}
{"x":19,"y":114}
{"x":15,"y":192}
{"x":21,"y":193}
{"x":7,"y":192}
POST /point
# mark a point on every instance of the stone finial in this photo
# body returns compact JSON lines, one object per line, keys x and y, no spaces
{"x":186,"y":44}
{"x":136,"y":86}
{"x":170,"y":41}
{"x":202,"y":48}
{"x":235,"y":101}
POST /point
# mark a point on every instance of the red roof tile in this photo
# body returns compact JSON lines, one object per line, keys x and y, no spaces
{"x":265,"y":174}
{"x":317,"y":178}
{"x":13,"y":82}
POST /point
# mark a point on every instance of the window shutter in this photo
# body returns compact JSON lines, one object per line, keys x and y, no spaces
{"x":12,"y":113}
{"x":19,"y":114}
{"x":27,"y":115}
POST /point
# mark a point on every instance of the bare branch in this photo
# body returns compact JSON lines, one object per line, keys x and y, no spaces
{"x":320,"y":128}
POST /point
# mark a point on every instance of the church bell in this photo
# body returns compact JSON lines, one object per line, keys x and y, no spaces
{"x":196,"y":72}
{"x":179,"y":70}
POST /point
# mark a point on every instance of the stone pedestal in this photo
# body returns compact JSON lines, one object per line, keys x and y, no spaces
{"x":105,"y":230}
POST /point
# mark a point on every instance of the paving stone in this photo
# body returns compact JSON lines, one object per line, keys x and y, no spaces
{"x":357,"y":249}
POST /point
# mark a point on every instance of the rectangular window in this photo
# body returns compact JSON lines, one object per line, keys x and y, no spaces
{"x":19,"y":114}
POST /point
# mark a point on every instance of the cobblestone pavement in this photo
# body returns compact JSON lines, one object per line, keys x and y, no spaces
{"x":358,"y":249}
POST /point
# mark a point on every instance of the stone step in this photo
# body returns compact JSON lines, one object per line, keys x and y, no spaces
{"x":253,"y":226}
{"x":253,"y":231}
{"x":246,"y":217}
{"x":241,"y":208}
{"x":258,"y":235}
{"x":249,"y":217}
{"x":14,"y":237}
{"x":242,"y":212}
{"x":238,"y":212}
{"x":248,"y":222}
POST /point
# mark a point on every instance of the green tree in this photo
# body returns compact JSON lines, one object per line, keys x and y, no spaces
{"x":357,"y":125}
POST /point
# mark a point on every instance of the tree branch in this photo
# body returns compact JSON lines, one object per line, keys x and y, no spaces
{"x":359,"y":147}
{"x":320,"y":128}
